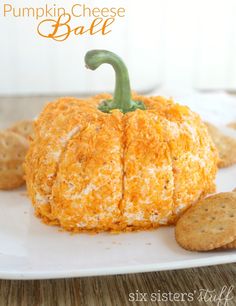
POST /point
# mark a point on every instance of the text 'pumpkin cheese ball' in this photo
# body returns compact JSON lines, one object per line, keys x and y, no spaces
{"x":118,"y":163}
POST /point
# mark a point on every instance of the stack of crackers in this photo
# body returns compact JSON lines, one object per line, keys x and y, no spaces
{"x":225,"y":145}
{"x":14,"y":144}
{"x":211,"y":223}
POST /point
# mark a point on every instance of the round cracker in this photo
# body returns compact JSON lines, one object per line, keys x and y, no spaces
{"x":209,"y":224}
{"x":24,"y":128}
{"x":231,"y":245}
{"x":225,"y":145}
{"x":232,"y":125}
{"x":13,"y":148}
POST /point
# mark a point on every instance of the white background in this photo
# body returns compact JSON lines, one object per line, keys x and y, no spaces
{"x":180,"y":44}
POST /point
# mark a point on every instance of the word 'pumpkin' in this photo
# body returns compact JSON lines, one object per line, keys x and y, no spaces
{"x":118,"y":163}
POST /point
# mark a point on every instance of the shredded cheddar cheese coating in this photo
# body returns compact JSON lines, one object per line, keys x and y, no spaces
{"x":92,"y":171}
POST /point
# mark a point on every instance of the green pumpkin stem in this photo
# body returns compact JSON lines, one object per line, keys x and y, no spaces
{"x":122,"y":95}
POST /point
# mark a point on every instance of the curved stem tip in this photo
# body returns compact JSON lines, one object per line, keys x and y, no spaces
{"x":122,"y":95}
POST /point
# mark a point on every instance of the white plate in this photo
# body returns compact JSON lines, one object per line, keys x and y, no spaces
{"x":32,"y":250}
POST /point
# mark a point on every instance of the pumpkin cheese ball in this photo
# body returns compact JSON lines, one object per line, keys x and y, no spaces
{"x":118,"y":163}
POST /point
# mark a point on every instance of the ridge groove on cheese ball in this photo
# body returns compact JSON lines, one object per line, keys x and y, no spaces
{"x":208,"y":225}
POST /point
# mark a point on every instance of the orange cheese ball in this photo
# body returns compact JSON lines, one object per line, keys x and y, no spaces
{"x":92,"y":171}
